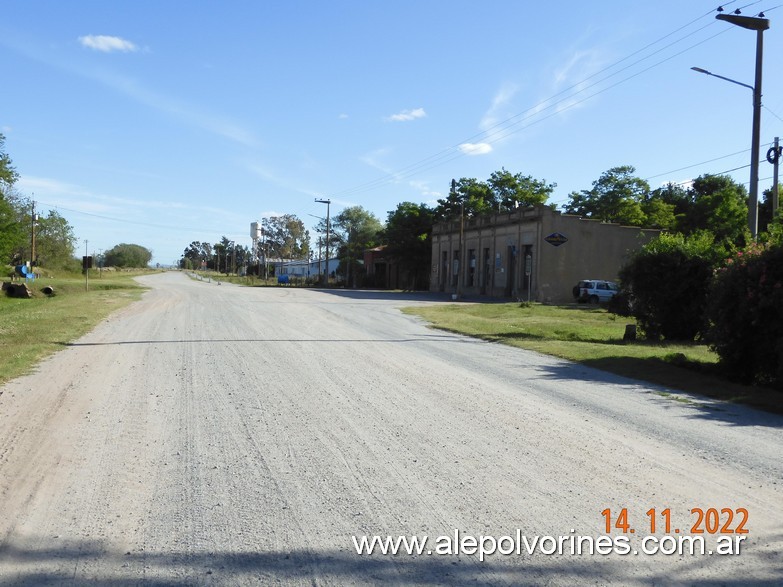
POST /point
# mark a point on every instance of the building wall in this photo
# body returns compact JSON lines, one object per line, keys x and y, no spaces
{"x":304,"y":268}
{"x":500,"y":248}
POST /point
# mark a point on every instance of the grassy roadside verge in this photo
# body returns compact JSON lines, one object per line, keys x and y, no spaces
{"x":592,"y":336}
{"x":32,"y":329}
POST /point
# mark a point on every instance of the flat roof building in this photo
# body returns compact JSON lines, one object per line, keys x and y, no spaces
{"x":532,"y":253}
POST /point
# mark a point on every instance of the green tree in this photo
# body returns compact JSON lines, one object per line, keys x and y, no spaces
{"x":467,"y":196}
{"x":616,"y":196}
{"x":195,"y":253}
{"x":11,"y":230}
{"x":8,"y":174}
{"x":666,"y":206}
{"x":514,"y":190}
{"x":746,"y":315}
{"x":55,"y":241}
{"x":667,"y":282}
{"x":408,"y":242}
{"x":357,"y":230}
{"x":720,"y":205}
{"x":766,"y":218}
{"x":128,"y":255}
{"x":285,"y":237}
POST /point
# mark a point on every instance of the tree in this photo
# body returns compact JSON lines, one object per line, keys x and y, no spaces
{"x":666,"y":206}
{"x":467,"y":196}
{"x":511,"y":191}
{"x":746,"y":315}
{"x":285,"y":237}
{"x":616,"y":196}
{"x":718,"y":204}
{"x":227,"y":256}
{"x":667,"y":282}
{"x":55,"y":241}
{"x":128,"y":255}
{"x":11,"y":231}
{"x":407,"y":239}
{"x":8,"y":174}
{"x":195,"y":253}
{"x":766,"y":218}
{"x":357,"y":230}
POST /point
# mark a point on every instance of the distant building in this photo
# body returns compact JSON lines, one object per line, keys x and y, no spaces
{"x":383,"y":272}
{"x":303,"y":268}
{"x":536,"y":253}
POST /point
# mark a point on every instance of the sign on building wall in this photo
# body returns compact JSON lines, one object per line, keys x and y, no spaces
{"x":556,"y":239}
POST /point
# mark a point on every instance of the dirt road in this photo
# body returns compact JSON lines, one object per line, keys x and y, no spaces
{"x":212,"y":434}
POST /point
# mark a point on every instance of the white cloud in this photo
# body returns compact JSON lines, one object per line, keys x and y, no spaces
{"x":213,"y":123}
{"x":107,"y":44}
{"x":272,"y":177}
{"x":406,"y":115}
{"x":424,"y":190}
{"x":573,"y":78}
{"x":373,"y":159}
{"x":342,"y":116}
{"x":475,"y":148}
{"x":503,"y":96}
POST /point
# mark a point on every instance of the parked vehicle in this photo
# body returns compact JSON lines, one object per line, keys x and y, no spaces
{"x":595,"y":291}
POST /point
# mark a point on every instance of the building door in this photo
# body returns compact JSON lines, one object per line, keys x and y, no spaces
{"x":486,"y":268}
{"x":444,"y":271}
{"x":527,"y":272}
{"x":511,"y":264}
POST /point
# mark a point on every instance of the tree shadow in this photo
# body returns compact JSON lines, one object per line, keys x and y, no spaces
{"x":727,"y":404}
{"x":93,"y":563}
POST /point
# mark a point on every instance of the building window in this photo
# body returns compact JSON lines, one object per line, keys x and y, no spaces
{"x":444,"y":269}
{"x":455,"y":269}
{"x":471,"y":281}
{"x":487,"y":268}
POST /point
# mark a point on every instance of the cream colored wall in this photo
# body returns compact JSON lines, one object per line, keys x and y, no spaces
{"x":594,"y":250}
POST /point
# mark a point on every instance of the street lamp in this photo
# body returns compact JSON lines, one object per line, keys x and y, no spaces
{"x":758,"y":24}
{"x":326,"y":273}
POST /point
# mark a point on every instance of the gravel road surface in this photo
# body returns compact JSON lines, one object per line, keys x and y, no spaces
{"x":219,"y":435}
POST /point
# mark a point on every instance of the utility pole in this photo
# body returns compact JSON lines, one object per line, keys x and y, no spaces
{"x":461,"y":238}
{"x":86,"y":267}
{"x":33,"y":218}
{"x":326,"y":273}
{"x":758,"y":24}
{"x":773,"y":156}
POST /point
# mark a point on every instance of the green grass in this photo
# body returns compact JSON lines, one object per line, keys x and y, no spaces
{"x":32,"y":329}
{"x":592,"y":336}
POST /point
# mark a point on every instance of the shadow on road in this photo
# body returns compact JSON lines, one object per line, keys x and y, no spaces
{"x":451,"y":338}
{"x":91,"y":563}
{"x":407,"y":296}
{"x":701,"y":407}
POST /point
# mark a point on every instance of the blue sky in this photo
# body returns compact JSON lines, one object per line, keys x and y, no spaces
{"x":160,"y":123}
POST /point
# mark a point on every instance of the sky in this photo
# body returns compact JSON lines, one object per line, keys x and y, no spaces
{"x":163,"y":123}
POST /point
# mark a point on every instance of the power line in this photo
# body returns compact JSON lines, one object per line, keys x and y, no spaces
{"x":510,"y":130}
{"x":697,"y":164}
{"x":125,"y":221}
{"x":493,"y":133}
{"x":772,"y":113}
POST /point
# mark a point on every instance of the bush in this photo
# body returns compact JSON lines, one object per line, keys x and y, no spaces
{"x":746,"y":315}
{"x":666,"y":284}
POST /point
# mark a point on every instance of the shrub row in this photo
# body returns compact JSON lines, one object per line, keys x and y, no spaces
{"x":685,"y":288}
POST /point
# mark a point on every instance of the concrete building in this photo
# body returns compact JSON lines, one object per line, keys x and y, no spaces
{"x":303,"y":268}
{"x":529,"y":253}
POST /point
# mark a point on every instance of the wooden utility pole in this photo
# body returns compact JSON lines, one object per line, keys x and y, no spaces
{"x":32,"y":237}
